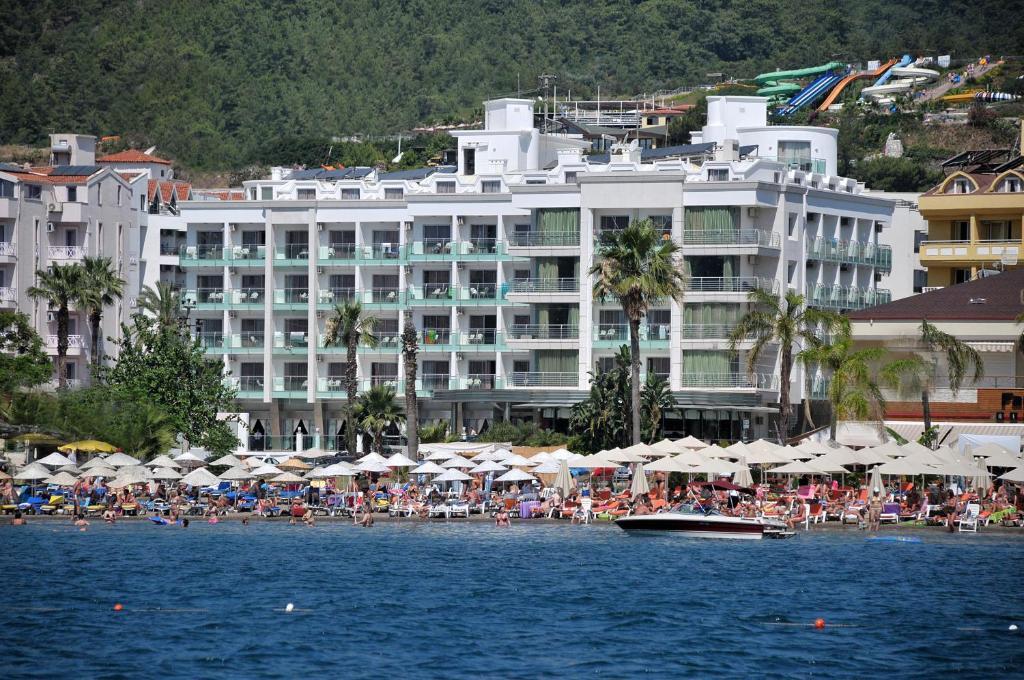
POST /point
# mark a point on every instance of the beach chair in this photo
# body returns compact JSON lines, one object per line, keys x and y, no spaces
{"x":890,"y":513}
{"x":816,"y":513}
{"x":458,"y":508}
{"x":968,"y":521}
{"x":584,"y":511}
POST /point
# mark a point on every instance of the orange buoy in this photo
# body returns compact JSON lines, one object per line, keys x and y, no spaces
{"x":819,"y":623}
{"x":118,"y":607}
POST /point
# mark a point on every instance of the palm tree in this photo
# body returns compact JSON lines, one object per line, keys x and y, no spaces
{"x":852,"y":390}
{"x":638,"y":267}
{"x":350,"y":328}
{"x":379,"y":411}
{"x":163,"y":303}
{"x":410,"y":346}
{"x":100,"y":286}
{"x":655,"y":399}
{"x":786,"y":321}
{"x":915,"y":374}
{"x":59,"y":286}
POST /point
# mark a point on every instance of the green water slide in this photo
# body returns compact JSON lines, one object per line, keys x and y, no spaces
{"x":779,"y":90}
{"x":775,"y":76}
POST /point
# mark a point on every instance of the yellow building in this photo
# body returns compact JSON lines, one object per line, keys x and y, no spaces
{"x":975,"y":222}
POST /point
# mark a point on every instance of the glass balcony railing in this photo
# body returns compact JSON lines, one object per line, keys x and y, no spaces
{"x":333,"y":296}
{"x":727,"y":380}
{"x":544,"y":286}
{"x":729,"y":237}
{"x":441,"y":293}
{"x":729,"y":284}
{"x":706,"y":331}
{"x":434,"y":336}
{"x":434,"y":381}
{"x":543,"y":332}
{"x":237,"y":255}
{"x":384,"y":296}
{"x":211,"y":340}
{"x":847,"y":297}
{"x":619,"y":333}
{"x":245,"y":296}
{"x":476,"y":381}
{"x":543,"y":379}
{"x":850,"y":252}
{"x":250,"y":385}
{"x":291,"y":296}
{"x":291,"y":383}
{"x":291,"y":340}
{"x":815,"y":165}
{"x":535,"y":239}
{"x":483,"y":337}
{"x":338,"y":251}
{"x":292,"y":251}
{"x":208,"y":296}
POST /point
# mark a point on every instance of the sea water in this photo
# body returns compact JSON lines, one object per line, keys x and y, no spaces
{"x":460,"y":600}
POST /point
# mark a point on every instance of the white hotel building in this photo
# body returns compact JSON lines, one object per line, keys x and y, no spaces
{"x":491,"y":258}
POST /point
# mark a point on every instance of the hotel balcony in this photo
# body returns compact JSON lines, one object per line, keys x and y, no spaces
{"x":384,"y":298}
{"x":480,"y":340}
{"x":327,"y":298}
{"x":76,"y":344}
{"x":8,"y":252}
{"x":295,"y":255}
{"x":542,"y":379}
{"x":220,"y":256}
{"x":488,"y":249}
{"x":850,"y":252}
{"x":292,"y":342}
{"x":437,"y":340}
{"x":291,"y":298}
{"x":751,"y":239}
{"x":216,"y":342}
{"x":448,"y":294}
{"x":65,"y":253}
{"x":247,"y":387}
{"x":846,"y":297}
{"x":544,"y":290}
{"x":546,"y":241}
{"x":612,"y":336}
{"x":969,"y":253}
{"x":741,"y":381}
{"x":8,"y":297}
{"x":476,"y":381}
{"x":732,"y":288}
{"x":543,"y":335}
{"x":706,"y":331}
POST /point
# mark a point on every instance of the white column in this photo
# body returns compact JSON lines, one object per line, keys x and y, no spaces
{"x":675,"y":379}
{"x":311,"y":319}
{"x":268,"y":307}
{"x":586,"y":295}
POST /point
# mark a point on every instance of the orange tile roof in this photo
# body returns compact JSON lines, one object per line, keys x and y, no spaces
{"x":42,"y":176}
{"x":129,"y":176}
{"x":167,"y":188}
{"x":225,"y":194}
{"x":131,"y":156}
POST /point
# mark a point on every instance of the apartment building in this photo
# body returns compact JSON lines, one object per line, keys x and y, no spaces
{"x":491,"y":257}
{"x":59,"y":214}
{"x":975,"y":217}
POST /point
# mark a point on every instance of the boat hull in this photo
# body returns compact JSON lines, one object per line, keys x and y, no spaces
{"x":711,"y":526}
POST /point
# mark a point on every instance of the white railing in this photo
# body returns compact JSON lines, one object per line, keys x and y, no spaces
{"x":538,"y":379}
{"x":760,"y":381}
{"x":741,"y":237}
{"x":8,"y":294}
{"x":730,"y":284}
{"x":7,"y":249}
{"x":74,"y":341}
{"x":66,"y":252}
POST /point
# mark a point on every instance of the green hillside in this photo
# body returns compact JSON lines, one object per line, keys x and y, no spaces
{"x":217,"y":83}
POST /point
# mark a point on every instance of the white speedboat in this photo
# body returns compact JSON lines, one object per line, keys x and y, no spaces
{"x":693,"y":521}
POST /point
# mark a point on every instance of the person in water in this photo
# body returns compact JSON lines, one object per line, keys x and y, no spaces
{"x":501,"y":519}
{"x":81,"y":522}
{"x":875,"y":510}
{"x":18,"y":520}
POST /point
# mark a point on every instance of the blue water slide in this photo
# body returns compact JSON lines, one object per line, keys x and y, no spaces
{"x":811,"y":93}
{"x":905,"y":61}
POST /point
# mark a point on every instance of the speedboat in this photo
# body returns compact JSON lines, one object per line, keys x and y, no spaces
{"x":691,"y":520}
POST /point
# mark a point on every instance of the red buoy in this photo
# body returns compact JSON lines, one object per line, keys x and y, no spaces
{"x":819,"y":623}
{"x":118,"y":607}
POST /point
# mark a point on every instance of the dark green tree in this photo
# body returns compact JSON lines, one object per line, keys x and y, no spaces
{"x":23,"y":362}
{"x":59,"y":286}
{"x":100,"y":287}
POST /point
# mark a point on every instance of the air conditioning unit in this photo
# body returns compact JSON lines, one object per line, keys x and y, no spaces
{"x":752,"y":212}
{"x":52,"y":207}
{"x":50,"y":227}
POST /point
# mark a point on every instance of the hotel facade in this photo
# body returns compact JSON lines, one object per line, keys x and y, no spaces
{"x":491,"y":259}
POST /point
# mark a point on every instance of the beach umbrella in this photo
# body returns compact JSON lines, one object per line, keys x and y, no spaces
{"x":55,"y":460}
{"x":374,"y":457}
{"x":667,"y":464}
{"x":339,"y":470}
{"x":75,"y":470}
{"x":315,"y":473}
{"x":134,"y":474}
{"x":715,"y":466}
{"x":496,"y":455}
{"x":594,"y":462}
{"x":889,"y":449}
{"x":990,"y":449}
{"x":1004,"y":459}
{"x":764,"y":456}
{"x":88,"y":446}
{"x":828,"y":466}
{"x":548,"y":467}
{"x":913,"y":447}
{"x":739,"y":450}
{"x":798,"y":467}
{"x":904,"y":467}
{"x":667,"y":447}
{"x":287,"y":478}
{"x":100,"y":471}
{"x":373,"y":466}
{"x":875,"y":481}
{"x":33,"y":473}
{"x":190,"y":459}
{"x":515,"y":475}
{"x":163,"y":462}
{"x":201,"y":477}
{"x":515,"y":460}
{"x":761,"y":445}
{"x":441,"y":455}
{"x":164,"y":474}
{"x":637,"y":453}
{"x":639,"y":486}
{"x":981,"y":481}
{"x":62,"y":479}
{"x":871,"y":457}
{"x":236,"y":473}
{"x":119,"y":460}
{"x":487,"y":466}
{"x":427,"y":468}
{"x":813,"y":447}
{"x":1015,"y":475}
{"x":692,"y":457}
{"x":295,"y":464}
{"x":266,"y":470}
{"x":691,"y":442}
{"x":957,"y":468}
{"x":742,"y":477}
{"x":457,"y":462}
{"x":228,"y":461}
{"x":541,"y":458}
{"x":400,"y":460}
{"x":793,"y":453}
{"x":716,"y":451}
{"x":452,"y":475}
{"x":563,"y":454}
{"x":95,"y":462}
{"x":563,"y":479}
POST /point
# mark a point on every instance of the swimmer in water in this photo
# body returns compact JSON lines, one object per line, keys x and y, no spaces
{"x":184,"y":523}
{"x":81,"y":522}
{"x":18,"y":520}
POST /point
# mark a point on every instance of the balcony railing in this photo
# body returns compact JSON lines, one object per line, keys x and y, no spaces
{"x":476,"y":381}
{"x":533,"y":239}
{"x":434,"y":381}
{"x":290,"y":296}
{"x":727,"y":380}
{"x":543,"y":332}
{"x":706,"y":331}
{"x":291,"y":339}
{"x":540,"y":379}
{"x":291,"y":383}
{"x":971,"y":251}
{"x":74,"y":341}
{"x":245,"y":296}
{"x":384,"y":296}
{"x":445,"y":292}
{"x":293,"y":251}
{"x":729,"y":284}
{"x":211,"y":339}
{"x":208,"y":296}
{"x":847,"y":297}
{"x":250,"y":339}
{"x":8,"y":295}
{"x":850,"y":252}
{"x":381,"y":251}
{"x":815,"y":165}
{"x":250,"y":384}
{"x":7,"y":249}
{"x":336,"y":295}
{"x":333,"y":383}
{"x":66,"y":252}
{"x":738,"y":237}
{"x":617,"y":333}
{"x":435,"y":336}
{"x":170,"y":248}
{"x":544,"y":286}
{"x":338,"y":251}
{"x":480,"y":336}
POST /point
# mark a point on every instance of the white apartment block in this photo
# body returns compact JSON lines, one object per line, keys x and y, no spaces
{"x":491,"y":259}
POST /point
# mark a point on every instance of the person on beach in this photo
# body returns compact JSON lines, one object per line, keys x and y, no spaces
{"x":797,"y":517}
{"x":307,"y":518}
{"x":367,"y":509}
{"x":18,"y":520}
{"x":875,"y":510}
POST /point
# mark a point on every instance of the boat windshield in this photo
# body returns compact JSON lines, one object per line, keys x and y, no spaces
{"x":695,"y":509}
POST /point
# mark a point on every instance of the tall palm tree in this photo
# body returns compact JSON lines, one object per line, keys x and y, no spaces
{"x":655,"y":399}
{"x":350,"y":328}
{"x":637,"y":266}
{"x":162,"y":302}
{"x":378,"y":411}
{"x":59,"y":286}
{"x":853,"y":390}
{"x":100,"y":286}
{"x":410,"y":347}
{"x":915,"y":374}
{"x":784,"y":320}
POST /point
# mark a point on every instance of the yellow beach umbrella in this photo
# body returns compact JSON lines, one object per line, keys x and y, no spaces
{"x":89,"y":446}
{"x":35,"y":438}
{"x":294,"y":464}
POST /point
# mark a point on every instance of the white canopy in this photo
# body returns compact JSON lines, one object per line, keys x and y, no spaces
{"x":515,"y":475}
{"x":190,"y":459}
{"x":338,"y":470}
{"x":641,"y":451}
{"x":100,"y":471}
{"x":119,"y":459}
{"x":563,"y":454}
{"x":692,"y":457}
{"x":793,"y":453}
{"x":55,"y":459}
{"x":452,"y":475}
{"x":441,"y":455}
{"x":593,"y":462}
{"x":913,"y":447}
{"x":163,"y":462}
{"x":739,"y":450}
{"x":764,"y":456}
{"x":549,"y":467}
{"x":667,"y":447}
{"x":132,"y":474}
{"x":201,"y":477}
{"x":743,"y":477}
{"x":1004,"y":459}
{"x":427,"y":468}
{"x":985,"y":450}
{"x":715,"y":466}
{"x":716,"y":451}
{"x":667,"y":464}
{"x":372,"y":457}
{"x":94,"y":462}
{"x":814,"y":447}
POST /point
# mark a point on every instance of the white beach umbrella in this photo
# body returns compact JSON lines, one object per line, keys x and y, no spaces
{"x":237,"y":473}
{"x":875,"y":481}
{"x":760,"y":445}
{"x":715,"y":466}
{"x":1015,"y":475}
{"x":691,"y":442}
{"x":266,"y":470}
{"x":716,"y":451}
{"x":1004,"y":459}
{"x":739,"y":450}
{"x":200,"y":477}
{"x":100,"y":471}
{"x":166,"y":474}
{"x":228,"y":461}
{"x":541,"y":458}
{"x":691,"y":457}
{"x":888,"y":449}
{"x":765,"y":456}
{"x":62,"y":479}
{"x":593,"y":462}
{"x":984,"y":450}
{"x":441,"y":455}
{"x":190,"y":459}
{"x":667,"y":464}
{"x":640,"y":451}
{"x":457,"y":462}
{"x":339,"y":470}
{"x":958,"y":468}
{"x":563,"y":479}
{"x":828,"y":466}
{"x":913,"y":447}
{"x":639,"y":486}
{"x":905,"y":467}
{"x":742,"y":476}
{"x":549,"y":467}
{"x":134,"y":474}
{"x":495,"y":454}
{"x":798,"y":467}
{"x":793,"y":453}
{"x":75,"y":470}
{"x":315,"y":473}
{"x":486,"y":466}
{"x":515,"y":460}
{"x":55,"y":460}
{"x":814,"y":448}
{"x":667,"y":447}
{"x":515,"y":475}
{"x":563,"y":454}
{"x":287,"y":478}
{"x":163,"y":462}
{"x":427,"y":468}
{"x":373,"y":457}
{"x":94,"y":462}
{"x":981,"y":481}
{"x":399,"y":460}
{"x":118,"y":460}
{"x":373,"y":466}
{"x":452,"y":475}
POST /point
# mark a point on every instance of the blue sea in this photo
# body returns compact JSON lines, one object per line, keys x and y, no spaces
{"x":460,"y":600}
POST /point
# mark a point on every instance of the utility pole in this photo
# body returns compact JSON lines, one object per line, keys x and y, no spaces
{"x":546,"y":80}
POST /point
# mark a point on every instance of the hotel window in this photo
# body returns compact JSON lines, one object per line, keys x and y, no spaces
{"x":394,"y":194}
{"x":995,"y":230}
{"x":792,"y":224}
{"x":491,"y":186}
{"x":33,"y":191}
{"x":960,"y":186}
{"x":662,"y":223}
{"x":350,"y":194}
{"x":73,"y":193}
{"x":446,"y":187}
{"x":718,"y":174}
{"x":118,"y":195}
{"x":6,"y":189}
{"x":1010,"y":185}
{"x":961,"y":231}
{"x":961,"y":275}
{"x":614,"y":222}
{"x":267,"y":193}
{"x":307,"y":194}
{"x":469,"y":161}
{"x":571,"y":178}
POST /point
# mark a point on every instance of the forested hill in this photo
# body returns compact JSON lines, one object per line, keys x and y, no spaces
{"x":214,"y":82}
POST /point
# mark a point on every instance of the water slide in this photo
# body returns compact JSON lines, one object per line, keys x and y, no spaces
{"x":907,"y":79}
{"x":838,"y":90}
{"x":905,"y":61}
{"x":779,"y":84}
{"x":811,"y":93}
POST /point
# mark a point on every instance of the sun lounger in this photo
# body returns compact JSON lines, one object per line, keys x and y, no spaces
{"x":968,"y":521}
{"x":816,"y":513}
{"x":890,"y":512}
{"x":583,"y":512}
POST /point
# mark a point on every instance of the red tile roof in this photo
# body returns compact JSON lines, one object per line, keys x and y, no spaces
{"x":167,"y":188}
{"x":224,"y":194}
{"x":993,"y":298}
{"x":42,"y":175}
{"x":131,"y":156}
